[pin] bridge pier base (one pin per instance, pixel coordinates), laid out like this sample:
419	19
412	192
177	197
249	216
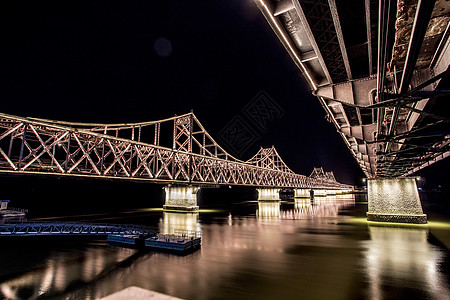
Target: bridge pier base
320	192
302	193
268	194
334	192
183	199
394	200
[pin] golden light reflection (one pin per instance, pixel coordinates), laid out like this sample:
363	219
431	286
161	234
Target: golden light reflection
175	221
269	248
328	206
402	254
62	270
430	224
269	210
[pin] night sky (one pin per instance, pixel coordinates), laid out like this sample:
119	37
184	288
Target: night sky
129	61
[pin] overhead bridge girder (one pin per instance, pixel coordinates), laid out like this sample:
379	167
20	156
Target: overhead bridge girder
345	103
398	52
354	92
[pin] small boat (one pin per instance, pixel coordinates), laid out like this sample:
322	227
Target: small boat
12	212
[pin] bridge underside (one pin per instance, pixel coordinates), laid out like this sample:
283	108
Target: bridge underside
379	69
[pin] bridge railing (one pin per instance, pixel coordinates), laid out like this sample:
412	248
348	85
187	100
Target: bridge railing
32	146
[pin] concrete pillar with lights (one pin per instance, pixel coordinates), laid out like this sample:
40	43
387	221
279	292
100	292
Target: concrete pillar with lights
394	200
268	194
302	193
331	192
181	198
320	192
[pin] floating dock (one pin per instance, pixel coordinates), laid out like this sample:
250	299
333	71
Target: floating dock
173	243
129	240
179	242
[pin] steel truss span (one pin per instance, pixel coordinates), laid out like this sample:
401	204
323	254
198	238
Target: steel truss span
175	150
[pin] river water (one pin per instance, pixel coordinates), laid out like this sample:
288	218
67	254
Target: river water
293	249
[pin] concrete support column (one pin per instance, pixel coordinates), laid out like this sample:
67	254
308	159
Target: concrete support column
331	192
302	193
320	193
394	200
181	198
269	194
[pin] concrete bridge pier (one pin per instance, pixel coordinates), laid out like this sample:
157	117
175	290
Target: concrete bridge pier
181	198
268	194
334	192
302	193
320	192
394	200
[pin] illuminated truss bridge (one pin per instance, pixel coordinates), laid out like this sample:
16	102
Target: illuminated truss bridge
175	150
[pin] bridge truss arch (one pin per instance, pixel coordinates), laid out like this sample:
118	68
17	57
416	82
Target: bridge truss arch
180	151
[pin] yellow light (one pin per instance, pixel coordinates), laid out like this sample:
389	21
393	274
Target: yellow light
430	224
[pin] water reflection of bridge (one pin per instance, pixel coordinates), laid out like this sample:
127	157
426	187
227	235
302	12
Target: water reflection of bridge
319	207
388	254
71	265
383	256
173	221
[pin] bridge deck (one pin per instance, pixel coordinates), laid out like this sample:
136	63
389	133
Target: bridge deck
380	69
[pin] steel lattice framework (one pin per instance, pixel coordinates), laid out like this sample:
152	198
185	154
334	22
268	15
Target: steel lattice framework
37	146
319	16
320	173
380	69
63	228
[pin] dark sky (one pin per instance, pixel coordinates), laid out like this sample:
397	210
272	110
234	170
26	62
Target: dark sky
108	61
